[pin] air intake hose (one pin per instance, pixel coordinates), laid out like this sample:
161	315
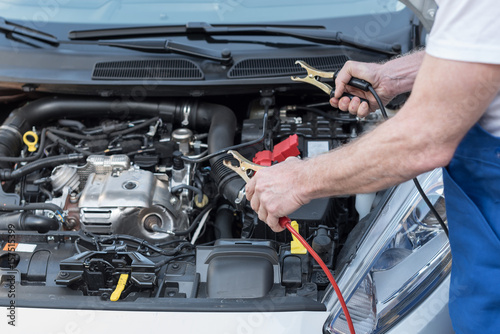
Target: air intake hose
24	221
222	123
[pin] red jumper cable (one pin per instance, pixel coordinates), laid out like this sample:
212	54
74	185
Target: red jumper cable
246	170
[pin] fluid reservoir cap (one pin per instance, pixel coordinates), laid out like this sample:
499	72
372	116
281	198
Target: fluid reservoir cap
201	203
30	138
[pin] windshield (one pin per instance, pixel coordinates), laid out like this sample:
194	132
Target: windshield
175	12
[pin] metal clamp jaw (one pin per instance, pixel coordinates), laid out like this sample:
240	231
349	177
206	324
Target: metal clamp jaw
313	76
246	168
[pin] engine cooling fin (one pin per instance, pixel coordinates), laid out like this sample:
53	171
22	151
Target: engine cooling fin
266	67
159	69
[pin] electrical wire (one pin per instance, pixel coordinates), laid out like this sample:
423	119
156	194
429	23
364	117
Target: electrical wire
285	222
200	227
135	127
145	243
164	262
62	142
415	180
195	221
235	147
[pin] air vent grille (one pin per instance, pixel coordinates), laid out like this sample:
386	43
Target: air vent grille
160	69
265	67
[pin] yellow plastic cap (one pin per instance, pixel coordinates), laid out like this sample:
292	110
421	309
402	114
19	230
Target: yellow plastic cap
295	246
30	138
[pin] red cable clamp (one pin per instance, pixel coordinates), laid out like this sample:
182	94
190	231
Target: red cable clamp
287	148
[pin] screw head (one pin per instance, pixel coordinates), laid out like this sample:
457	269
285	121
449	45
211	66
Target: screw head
129	185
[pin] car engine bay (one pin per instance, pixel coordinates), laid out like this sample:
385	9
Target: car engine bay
96	190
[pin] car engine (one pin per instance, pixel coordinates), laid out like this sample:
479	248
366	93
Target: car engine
98	188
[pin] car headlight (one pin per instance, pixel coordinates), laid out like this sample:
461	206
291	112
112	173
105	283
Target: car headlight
400	259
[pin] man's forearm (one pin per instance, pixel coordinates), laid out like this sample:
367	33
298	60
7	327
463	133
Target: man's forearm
401	72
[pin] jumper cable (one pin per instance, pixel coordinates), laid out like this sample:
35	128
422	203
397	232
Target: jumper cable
246	170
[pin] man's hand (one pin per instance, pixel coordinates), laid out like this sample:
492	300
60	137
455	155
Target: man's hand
370	72
277	191
389	80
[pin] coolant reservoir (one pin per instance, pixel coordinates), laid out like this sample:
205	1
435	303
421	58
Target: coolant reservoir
364	204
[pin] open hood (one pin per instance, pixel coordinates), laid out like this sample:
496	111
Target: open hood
424	9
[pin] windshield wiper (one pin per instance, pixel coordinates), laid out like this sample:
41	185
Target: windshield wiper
10	28
314	34
224	56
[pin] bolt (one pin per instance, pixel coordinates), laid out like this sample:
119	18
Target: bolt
71	222
175	266
171	293
225	53
63	274
50	238
147	277
73	198
173	200
129	185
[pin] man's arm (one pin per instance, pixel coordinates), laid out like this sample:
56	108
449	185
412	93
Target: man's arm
389	80
447	99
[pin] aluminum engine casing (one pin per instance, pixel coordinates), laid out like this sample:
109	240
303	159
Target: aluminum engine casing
118	198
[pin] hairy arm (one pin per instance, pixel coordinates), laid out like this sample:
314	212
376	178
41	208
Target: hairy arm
448	98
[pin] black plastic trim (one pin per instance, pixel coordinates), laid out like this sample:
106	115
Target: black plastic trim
277	304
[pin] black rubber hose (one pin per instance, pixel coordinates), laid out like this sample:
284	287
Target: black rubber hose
8	174
24	221
224	222
185	186
32	206
11	143
54	107
222	123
